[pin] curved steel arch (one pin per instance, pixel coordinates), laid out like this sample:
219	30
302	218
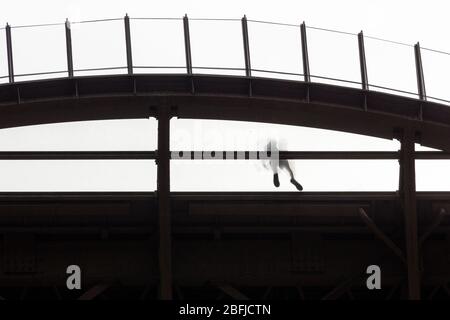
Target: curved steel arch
315	105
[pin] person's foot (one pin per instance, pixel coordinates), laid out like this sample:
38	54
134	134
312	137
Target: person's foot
297	185
276	181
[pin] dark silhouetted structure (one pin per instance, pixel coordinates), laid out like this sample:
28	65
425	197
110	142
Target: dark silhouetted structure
177	245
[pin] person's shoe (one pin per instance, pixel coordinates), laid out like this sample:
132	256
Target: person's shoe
276	181
297	185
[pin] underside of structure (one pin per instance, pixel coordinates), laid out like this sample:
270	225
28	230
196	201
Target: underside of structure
224	245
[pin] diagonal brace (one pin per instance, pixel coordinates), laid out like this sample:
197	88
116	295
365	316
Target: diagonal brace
381	235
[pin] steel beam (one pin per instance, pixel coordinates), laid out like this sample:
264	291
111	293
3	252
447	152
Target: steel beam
9	53
430	229
381	235
128	44
76	155
163	184
393	290
342	288
232	292
419	73
96	97
69	49
362	62
187	45
218	155
305	58
269	290
293	155
94	292
248	67
408	197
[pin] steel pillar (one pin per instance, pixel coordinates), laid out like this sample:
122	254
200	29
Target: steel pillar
163	184
408	197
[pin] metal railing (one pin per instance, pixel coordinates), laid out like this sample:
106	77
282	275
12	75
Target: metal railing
307	66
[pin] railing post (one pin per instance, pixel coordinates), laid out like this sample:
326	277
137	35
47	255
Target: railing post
69	49
248	68
163	192
362	62
128	44
9	53
187	45
305	59
419	72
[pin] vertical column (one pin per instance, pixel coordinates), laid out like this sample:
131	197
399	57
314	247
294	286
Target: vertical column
187	45
305	58
128	44
163	177
362	62
69	49
248	67
408	194
9	53
419	73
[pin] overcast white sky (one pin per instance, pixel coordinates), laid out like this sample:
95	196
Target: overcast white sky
390	65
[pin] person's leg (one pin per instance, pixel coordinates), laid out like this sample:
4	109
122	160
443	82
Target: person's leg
284	164
297	184
274	166
274	162
276	180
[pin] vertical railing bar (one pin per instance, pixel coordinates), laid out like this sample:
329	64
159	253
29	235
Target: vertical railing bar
187	45
305	58
128	44
362	62
9	53
69	49
248	68
419	72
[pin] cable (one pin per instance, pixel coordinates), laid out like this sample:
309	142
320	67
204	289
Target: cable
331	30
37	25
275	23
100	20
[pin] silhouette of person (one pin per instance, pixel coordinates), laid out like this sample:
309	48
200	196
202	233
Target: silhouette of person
276	163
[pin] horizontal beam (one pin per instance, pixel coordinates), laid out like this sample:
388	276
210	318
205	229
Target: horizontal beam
76	155
293	155
313	155
432	155
217	155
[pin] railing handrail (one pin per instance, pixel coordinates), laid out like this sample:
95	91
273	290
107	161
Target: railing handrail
365	83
